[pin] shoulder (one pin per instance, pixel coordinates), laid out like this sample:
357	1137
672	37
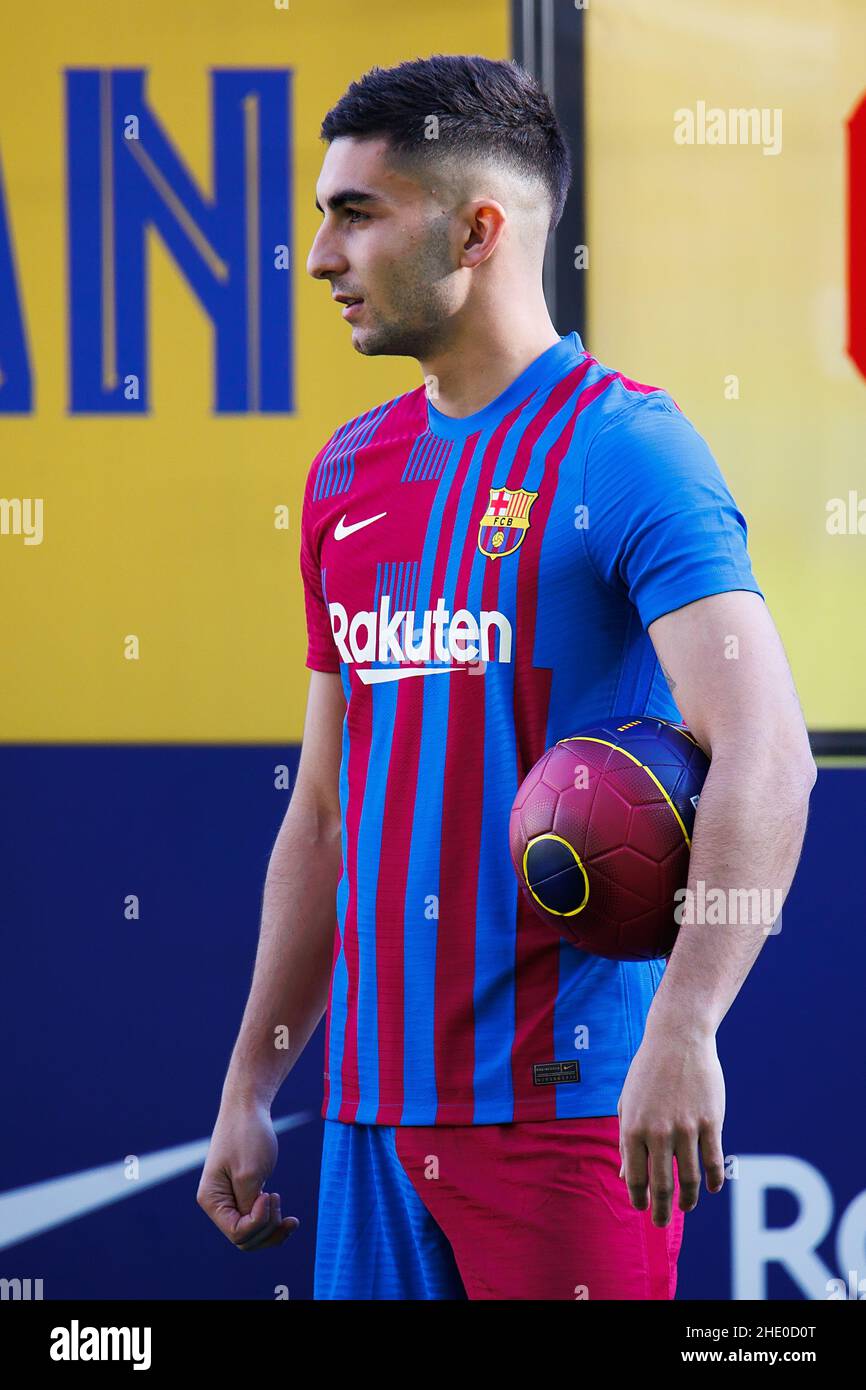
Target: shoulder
623	406
619	417
641	433
402	416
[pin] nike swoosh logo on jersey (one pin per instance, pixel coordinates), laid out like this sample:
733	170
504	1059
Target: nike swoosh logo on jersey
41	1206
376	675
341	530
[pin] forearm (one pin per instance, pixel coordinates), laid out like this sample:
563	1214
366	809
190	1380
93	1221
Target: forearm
289	989
748	833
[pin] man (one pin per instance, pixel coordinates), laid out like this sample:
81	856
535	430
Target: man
492	563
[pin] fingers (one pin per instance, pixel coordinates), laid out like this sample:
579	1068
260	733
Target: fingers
280	1233
264	1226
647	1166
633	1152
648	1169
688	1171
261	1226
257	1225
713	1157
661	1181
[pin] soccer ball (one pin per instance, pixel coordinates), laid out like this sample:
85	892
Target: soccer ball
600	834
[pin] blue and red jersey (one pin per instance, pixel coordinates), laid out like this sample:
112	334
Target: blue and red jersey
484	586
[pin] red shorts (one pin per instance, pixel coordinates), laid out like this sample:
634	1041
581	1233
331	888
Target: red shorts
533	1210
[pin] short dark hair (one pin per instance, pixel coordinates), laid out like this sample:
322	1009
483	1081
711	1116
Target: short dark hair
483	106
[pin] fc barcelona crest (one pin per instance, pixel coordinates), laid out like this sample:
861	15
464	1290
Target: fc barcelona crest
506	521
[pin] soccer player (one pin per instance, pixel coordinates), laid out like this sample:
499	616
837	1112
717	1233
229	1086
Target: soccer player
524	545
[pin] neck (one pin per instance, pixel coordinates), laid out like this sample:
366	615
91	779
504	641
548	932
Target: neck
485	357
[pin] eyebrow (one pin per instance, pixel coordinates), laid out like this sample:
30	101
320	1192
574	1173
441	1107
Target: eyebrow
348	195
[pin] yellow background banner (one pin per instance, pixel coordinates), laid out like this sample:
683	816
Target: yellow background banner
709	265
162	526
708	262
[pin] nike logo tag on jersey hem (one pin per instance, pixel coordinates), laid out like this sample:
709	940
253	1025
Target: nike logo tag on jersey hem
341	530
555	1073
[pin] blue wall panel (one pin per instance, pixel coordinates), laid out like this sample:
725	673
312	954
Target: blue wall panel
116	1033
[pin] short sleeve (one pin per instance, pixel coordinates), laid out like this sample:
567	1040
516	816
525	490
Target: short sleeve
660	519
322	653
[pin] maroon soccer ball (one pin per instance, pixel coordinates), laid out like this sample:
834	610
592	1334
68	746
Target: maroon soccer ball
600	834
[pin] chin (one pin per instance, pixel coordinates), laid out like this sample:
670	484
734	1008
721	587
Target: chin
382	344
369	344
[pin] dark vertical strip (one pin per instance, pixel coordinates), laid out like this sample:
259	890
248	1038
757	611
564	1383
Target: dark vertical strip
547	38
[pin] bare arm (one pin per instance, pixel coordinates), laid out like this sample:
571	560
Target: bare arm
289	989
725	663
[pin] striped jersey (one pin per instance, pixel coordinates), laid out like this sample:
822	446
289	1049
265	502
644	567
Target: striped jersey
483	586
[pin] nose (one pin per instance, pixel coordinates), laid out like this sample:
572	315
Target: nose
325	259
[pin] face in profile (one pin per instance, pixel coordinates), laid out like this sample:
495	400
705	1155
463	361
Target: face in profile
387	241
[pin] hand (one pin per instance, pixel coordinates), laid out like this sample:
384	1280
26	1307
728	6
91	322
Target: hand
243	1151
672	1105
